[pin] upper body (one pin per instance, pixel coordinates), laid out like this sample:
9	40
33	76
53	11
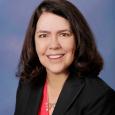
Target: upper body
79	96
59	49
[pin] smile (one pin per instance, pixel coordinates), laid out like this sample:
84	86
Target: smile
55	56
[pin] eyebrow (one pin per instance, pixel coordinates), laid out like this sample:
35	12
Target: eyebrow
45	31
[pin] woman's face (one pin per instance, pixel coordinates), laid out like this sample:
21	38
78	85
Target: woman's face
54	42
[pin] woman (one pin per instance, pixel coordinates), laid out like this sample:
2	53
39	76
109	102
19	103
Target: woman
60	64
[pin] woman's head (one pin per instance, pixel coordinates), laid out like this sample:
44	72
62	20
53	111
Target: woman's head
87	59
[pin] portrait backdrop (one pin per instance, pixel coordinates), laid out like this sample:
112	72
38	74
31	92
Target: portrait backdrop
14	18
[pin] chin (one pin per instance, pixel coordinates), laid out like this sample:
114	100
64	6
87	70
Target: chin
57	71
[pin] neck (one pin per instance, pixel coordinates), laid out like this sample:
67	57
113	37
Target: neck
56	81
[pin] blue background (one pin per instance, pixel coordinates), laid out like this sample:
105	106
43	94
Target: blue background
14	18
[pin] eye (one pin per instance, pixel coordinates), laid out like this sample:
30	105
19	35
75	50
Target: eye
42	35
65	34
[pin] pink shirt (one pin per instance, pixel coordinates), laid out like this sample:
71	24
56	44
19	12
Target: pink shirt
44	104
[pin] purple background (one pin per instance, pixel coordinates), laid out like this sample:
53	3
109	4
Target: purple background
14	17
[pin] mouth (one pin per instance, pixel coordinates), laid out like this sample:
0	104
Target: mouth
55	56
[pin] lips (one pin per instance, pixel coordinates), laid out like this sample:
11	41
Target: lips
55	56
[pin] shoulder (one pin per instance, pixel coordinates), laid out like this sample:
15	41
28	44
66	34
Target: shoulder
98	95
96	84
26	88
27	97
95	87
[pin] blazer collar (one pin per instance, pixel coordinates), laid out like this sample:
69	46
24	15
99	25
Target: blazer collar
69	93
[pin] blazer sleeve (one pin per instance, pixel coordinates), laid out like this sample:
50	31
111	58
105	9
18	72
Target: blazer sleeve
105	105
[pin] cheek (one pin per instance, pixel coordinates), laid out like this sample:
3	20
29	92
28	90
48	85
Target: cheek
71	51
40	49
70	47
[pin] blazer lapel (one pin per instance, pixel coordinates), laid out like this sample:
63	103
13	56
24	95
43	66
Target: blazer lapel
34	101
69	93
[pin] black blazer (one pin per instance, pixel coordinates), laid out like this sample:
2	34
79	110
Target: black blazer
79	96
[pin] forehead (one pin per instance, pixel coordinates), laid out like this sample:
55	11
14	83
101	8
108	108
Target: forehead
50	21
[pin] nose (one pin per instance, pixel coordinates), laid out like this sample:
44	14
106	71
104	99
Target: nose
54	43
